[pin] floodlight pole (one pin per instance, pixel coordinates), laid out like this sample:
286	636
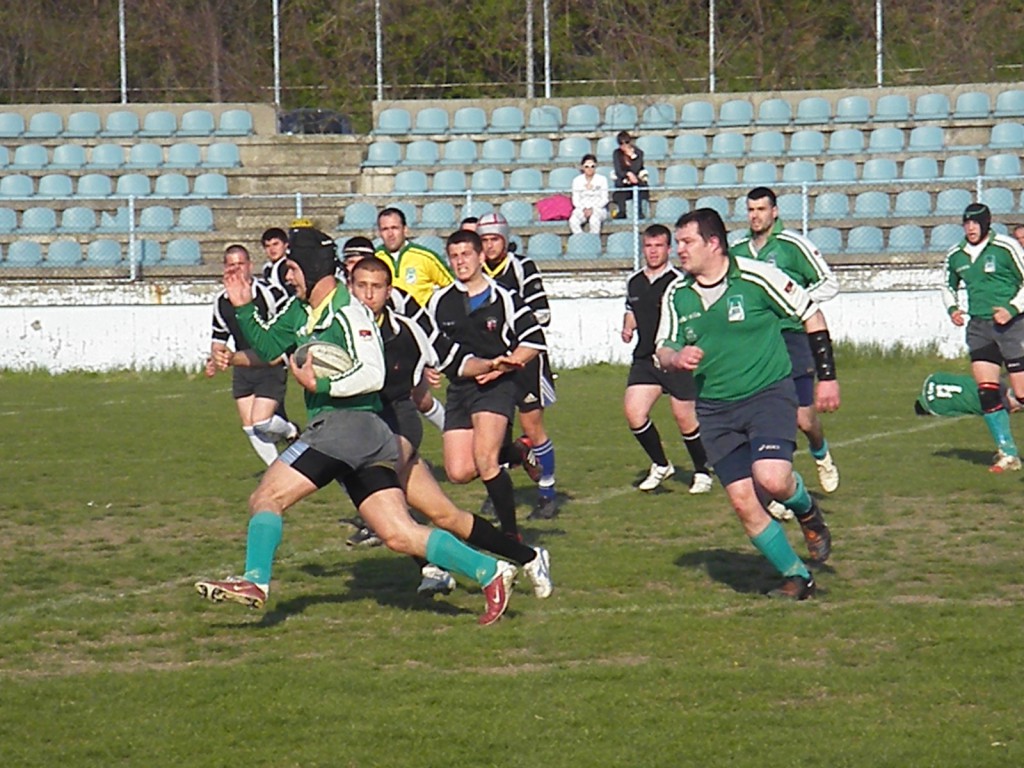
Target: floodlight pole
878	43
277	55
547	49
379	48
529	49
121	35
711	46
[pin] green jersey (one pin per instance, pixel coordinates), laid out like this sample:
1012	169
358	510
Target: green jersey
992	272
340	320
736	322
798	257
953	394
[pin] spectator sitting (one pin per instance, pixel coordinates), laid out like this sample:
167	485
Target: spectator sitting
589	198
628	161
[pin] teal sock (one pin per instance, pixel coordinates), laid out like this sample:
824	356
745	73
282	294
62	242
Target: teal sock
800	501
448	552
773	544
264	536
820	453
998	423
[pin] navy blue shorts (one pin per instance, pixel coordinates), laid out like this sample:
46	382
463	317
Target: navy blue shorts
678	384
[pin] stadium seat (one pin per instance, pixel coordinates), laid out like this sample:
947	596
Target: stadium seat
537	151
110	157
887	139
77	220
762	172
430	120
234	122
680	176
55	185
667	210
383	153
183	155
487	181
654	147
582	118
920	169
697	114
449	181
197	122
438	214
942	237
222	154
156	218
472	208
865	239
799	171
120	124
774	112
29	157
560	179
583	245
544	246
846	141
508	119
44	125
146	253
526	180
103	253
852	109
12	125
359	215
133	184
1009	103
68	157
209	185
807	142
688	146
715	202
999	200
518	213
791	206
24	253
879	169
422	152
195	218
623	245
735	112
812	110
1002	165
926	138
408	208
972	105
498	152
82	125
159	124
658	117
739	209
913	203
893	107
469	120
171	185
38	221
16	185
1007	136
5	157
64	253
8	220
93	185
831	205
839	171
546	118
183	252
720	174
117	220
931	106
394	121
571	149
906	238
871	205
728	144
960	167
606	146
952	202
767	144
619	117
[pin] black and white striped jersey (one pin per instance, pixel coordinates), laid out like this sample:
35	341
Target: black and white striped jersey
520	274
269	300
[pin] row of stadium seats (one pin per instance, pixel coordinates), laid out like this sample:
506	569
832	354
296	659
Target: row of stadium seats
157	123
65	253
701	114
657	147
144	155
83	220
92	185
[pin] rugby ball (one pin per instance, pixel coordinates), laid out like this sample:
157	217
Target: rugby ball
329	360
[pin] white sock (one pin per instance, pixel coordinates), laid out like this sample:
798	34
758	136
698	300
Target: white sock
266	451
275	428
435	415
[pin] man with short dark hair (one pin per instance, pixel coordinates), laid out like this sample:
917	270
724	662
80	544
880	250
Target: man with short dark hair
416	269
275	245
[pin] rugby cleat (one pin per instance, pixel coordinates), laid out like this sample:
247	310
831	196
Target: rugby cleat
538	571
794	588
828	473
701	483
656	476
234	590
1004	462
436	581
497	593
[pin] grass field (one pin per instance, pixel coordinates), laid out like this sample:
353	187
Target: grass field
656	649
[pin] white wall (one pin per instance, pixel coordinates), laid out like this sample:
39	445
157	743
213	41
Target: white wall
89	327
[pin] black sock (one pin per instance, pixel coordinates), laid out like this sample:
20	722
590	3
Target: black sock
650	441
503	495
696	449
486	537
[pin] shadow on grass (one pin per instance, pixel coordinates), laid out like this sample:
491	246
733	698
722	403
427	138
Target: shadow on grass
968	455
747	573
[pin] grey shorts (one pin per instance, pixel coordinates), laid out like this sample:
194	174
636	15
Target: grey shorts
356	438
261	382
1008	339
678	384
768	415
403	419
467	397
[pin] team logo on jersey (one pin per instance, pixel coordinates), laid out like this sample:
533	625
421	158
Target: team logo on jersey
690	335
491	323
790	287
410	275
365	334
736	311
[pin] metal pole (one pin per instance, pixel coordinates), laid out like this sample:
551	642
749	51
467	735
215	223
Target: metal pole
878	43
277	54
547	49
711	46
529	49
379	48
121	36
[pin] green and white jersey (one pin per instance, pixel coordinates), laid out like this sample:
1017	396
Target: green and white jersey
992	272
798	257
954	394
736	322
340	320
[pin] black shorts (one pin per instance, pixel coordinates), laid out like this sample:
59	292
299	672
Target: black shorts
467	397
261	382
535	384
802	360
678	384
404	420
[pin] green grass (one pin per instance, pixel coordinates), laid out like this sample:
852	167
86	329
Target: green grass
655	650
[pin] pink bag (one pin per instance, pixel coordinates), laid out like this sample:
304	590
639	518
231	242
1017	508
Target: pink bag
554	208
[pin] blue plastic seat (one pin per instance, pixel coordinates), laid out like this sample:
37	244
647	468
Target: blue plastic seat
680	176
487	180
623	245
16	185
828	239
526	180
430	120
24	253
44	125
77	220
931	106
8	220
893	107
960	167
222	154
667	210
728	144
438	214
606	146
852	109
879	169
906	238
472	208
544	246
812	110
408	208
913	203
120	124
972	105
619	117
183	155
582	118
571	149
449	181
865	239
583	245
38	221
518	213
697	114
887	139
234	122
926	138
103	253
561	178
135	184
469	120
383	153
807	142
394	121
799	171
654	146
720	174
735	112
761	172
94	185
1009	103
774	112
715	202
1002	165
688	146
68	157
64	253
871	205
920	169
942	237
146	253
12	125
952	202
846	141
422	152
209	185
111	156
116	221
831	205
1007	136
159	124
546	118
171	185
999	200
459	152
5	157
359	215
839	171
83	125
29	157
658	117
56	185
195	218
197	122
183	251
537	151
498	152
156	218
767	144
791	206
508	119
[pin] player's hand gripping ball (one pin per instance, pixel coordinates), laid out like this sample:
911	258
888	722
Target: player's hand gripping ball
329	360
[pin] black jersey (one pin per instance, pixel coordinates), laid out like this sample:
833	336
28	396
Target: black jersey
643	299
269	301
520	274
407	351
273	274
